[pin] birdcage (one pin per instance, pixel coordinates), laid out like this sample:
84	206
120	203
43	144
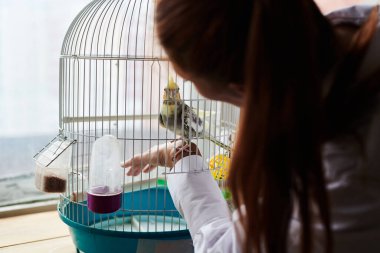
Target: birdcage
113	75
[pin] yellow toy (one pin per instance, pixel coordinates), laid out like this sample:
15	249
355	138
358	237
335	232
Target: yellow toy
219	166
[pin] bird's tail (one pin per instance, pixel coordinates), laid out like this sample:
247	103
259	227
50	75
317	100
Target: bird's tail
217	142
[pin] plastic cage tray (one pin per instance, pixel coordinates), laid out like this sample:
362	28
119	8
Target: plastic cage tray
129	231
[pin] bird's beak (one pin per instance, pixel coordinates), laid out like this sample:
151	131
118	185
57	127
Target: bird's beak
170	94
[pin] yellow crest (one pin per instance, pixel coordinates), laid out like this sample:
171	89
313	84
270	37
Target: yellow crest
171	84
171	92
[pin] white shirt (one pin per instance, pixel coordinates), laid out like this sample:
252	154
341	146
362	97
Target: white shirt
353	185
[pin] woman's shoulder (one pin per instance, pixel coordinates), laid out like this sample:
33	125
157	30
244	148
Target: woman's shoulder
357	15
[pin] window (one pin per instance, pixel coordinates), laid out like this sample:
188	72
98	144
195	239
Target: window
31	35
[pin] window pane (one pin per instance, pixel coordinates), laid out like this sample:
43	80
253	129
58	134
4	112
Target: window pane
31	35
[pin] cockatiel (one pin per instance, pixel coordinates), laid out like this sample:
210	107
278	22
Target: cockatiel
174	111
181	119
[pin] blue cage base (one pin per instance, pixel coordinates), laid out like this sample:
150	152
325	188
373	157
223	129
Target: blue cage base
154	225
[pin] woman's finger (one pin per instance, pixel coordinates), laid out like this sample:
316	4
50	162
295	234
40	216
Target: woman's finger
133	161
148	168
127	163
134	171
129	172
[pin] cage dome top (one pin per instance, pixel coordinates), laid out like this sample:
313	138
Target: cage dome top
114	29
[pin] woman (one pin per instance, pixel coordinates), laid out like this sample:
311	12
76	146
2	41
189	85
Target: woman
305	172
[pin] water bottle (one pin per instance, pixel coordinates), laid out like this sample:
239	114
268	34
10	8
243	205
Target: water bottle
105	176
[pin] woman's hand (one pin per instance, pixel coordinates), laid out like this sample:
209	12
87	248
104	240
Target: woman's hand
160	155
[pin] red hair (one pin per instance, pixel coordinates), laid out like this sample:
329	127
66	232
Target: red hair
282	51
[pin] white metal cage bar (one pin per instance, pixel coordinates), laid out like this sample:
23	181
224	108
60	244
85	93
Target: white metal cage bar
112	77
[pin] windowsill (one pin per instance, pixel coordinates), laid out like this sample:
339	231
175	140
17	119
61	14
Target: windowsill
29	208
40	232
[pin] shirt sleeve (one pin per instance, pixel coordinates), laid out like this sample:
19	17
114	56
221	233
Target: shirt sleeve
198	198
